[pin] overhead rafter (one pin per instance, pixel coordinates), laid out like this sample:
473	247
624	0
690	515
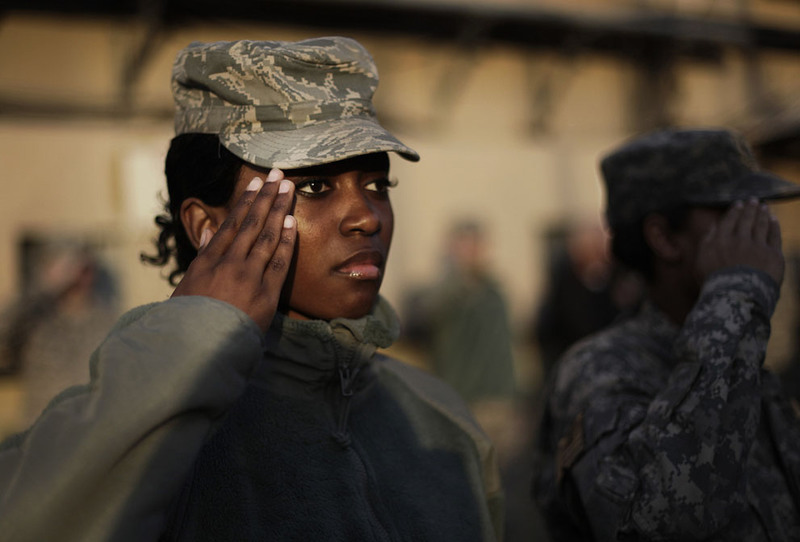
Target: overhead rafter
529	27
638	37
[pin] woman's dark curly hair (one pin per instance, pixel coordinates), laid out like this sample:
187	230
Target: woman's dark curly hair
629	246
197	165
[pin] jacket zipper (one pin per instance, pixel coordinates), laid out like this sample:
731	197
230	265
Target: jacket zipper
346	379
348	372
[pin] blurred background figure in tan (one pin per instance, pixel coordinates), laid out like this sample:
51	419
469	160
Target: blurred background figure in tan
67	304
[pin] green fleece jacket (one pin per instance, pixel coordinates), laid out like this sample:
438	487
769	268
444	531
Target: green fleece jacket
195	426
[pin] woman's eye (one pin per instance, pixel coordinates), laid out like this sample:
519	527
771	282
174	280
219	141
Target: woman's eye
380	185
313	187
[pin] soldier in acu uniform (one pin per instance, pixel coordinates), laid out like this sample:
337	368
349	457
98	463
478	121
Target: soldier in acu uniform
666	426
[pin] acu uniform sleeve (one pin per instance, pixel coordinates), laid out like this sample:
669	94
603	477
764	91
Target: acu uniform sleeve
670	467
104	461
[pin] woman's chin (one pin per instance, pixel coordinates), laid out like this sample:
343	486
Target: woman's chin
351	309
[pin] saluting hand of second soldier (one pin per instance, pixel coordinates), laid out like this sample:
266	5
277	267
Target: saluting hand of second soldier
247	260
747	234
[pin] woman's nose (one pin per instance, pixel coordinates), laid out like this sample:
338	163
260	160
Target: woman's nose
359	215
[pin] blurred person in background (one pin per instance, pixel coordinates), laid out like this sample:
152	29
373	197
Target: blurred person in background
254	404
462	319
461	323
584	292
47	335
666	426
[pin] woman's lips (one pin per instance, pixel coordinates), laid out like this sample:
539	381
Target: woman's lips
363	266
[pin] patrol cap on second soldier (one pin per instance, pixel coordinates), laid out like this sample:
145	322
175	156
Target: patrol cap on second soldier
282	104
669	168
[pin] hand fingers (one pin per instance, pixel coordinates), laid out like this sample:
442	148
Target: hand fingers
278	266
205	237
708	238
744	226
269	198
730	219
230	227
761	224
774	234
274	230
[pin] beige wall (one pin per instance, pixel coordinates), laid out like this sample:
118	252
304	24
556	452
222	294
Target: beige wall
488	147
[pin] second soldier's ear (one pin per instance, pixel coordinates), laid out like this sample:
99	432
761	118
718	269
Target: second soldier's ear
197	216
660	238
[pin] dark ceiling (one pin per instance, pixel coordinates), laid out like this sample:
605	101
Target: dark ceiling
647	38
521	26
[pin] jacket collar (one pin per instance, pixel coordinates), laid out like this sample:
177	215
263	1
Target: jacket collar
657	322
314	351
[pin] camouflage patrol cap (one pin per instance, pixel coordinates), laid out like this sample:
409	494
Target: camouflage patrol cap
282	104
695	167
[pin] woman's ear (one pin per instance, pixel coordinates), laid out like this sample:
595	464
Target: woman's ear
659	237
197	216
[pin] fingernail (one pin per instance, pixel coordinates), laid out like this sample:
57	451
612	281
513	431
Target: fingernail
255	185
288	222
205	237
274	175
284	187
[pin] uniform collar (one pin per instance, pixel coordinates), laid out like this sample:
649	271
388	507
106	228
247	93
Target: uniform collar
314	351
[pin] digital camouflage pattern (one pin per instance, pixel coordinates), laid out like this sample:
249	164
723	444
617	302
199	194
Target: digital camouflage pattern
282	104
676	167
652	432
